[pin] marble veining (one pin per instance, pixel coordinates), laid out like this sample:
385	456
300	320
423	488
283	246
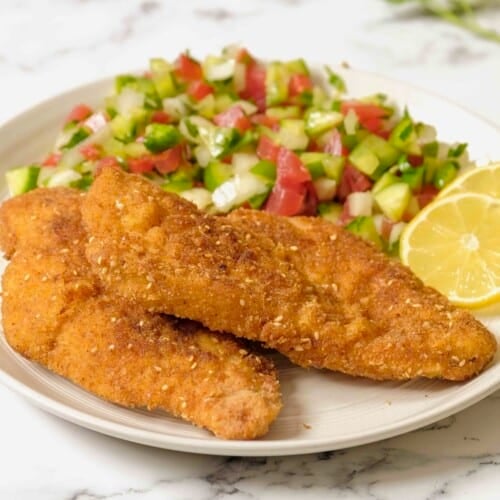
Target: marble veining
47	46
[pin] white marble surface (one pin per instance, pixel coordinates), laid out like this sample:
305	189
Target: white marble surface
47	46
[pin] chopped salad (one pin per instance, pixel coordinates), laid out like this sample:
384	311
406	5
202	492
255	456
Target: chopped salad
232	131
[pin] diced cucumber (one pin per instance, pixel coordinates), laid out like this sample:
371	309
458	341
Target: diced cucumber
176	107
297	66
351	122
430	149
258	200
23	179
414	177
314	163
292	135
360	203
79	135
243	162
215	174
177	186
325	188
445	174
218	69
206	107
129	100
319	121
330	211
159	136
276	84
163	80
238	190
431	165
373	156
334	167
404	137
386	180
122	81
364	227
282	112
393	200
123	128
219	140
134	149
265	169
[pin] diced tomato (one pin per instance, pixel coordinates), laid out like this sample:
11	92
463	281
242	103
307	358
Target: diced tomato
52	160
334	144
266	121
310	205
233	117
314	147
415	160
160	117
79	113
255	85
90	152
168	160
141	165
267	149
106	162
284	200
227	159
243	56
148	75
352	181
291	170
187	69
299	84
369	115
426	195
199	89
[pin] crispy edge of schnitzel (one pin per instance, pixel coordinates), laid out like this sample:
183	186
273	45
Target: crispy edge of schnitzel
55	313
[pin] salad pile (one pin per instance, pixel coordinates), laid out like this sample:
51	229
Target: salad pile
231	131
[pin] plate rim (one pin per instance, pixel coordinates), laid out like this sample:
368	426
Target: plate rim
260	447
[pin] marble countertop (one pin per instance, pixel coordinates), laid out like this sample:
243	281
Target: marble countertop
49	46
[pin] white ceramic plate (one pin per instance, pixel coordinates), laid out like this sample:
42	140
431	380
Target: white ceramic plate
322	411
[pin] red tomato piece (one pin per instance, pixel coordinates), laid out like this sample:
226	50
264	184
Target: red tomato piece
255	85
310	205
291	171
243	56
79	113
233	117
415	160
369	115
352	181
299	84
90	152
199	89
334	144
141	165
168	160
266	121
187	69
426	195
285	200
160	117
267	149
52	160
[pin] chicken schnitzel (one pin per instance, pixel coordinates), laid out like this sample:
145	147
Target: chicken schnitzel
316	293
55	313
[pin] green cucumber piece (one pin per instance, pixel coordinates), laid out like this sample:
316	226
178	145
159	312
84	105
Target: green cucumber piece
373	156
177	186
386	180
216	173
258	200
319	121
404	137
23	179
123	128
162	78
159	136
265	169
276	84
445	174
385	152
134	149
393	200
283	112
292	135
80	135
219	140
334	167
414	177
364	227
314	163
297	66
330	211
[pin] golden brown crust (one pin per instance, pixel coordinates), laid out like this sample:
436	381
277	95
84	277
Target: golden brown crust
314	292
55	313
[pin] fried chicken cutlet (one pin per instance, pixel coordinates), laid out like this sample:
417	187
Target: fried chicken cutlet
55	313
314	292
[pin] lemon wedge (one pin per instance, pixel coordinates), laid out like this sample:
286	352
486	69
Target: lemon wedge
453	245
484	180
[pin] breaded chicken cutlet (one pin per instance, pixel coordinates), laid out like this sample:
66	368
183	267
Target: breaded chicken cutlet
55	313
314	292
